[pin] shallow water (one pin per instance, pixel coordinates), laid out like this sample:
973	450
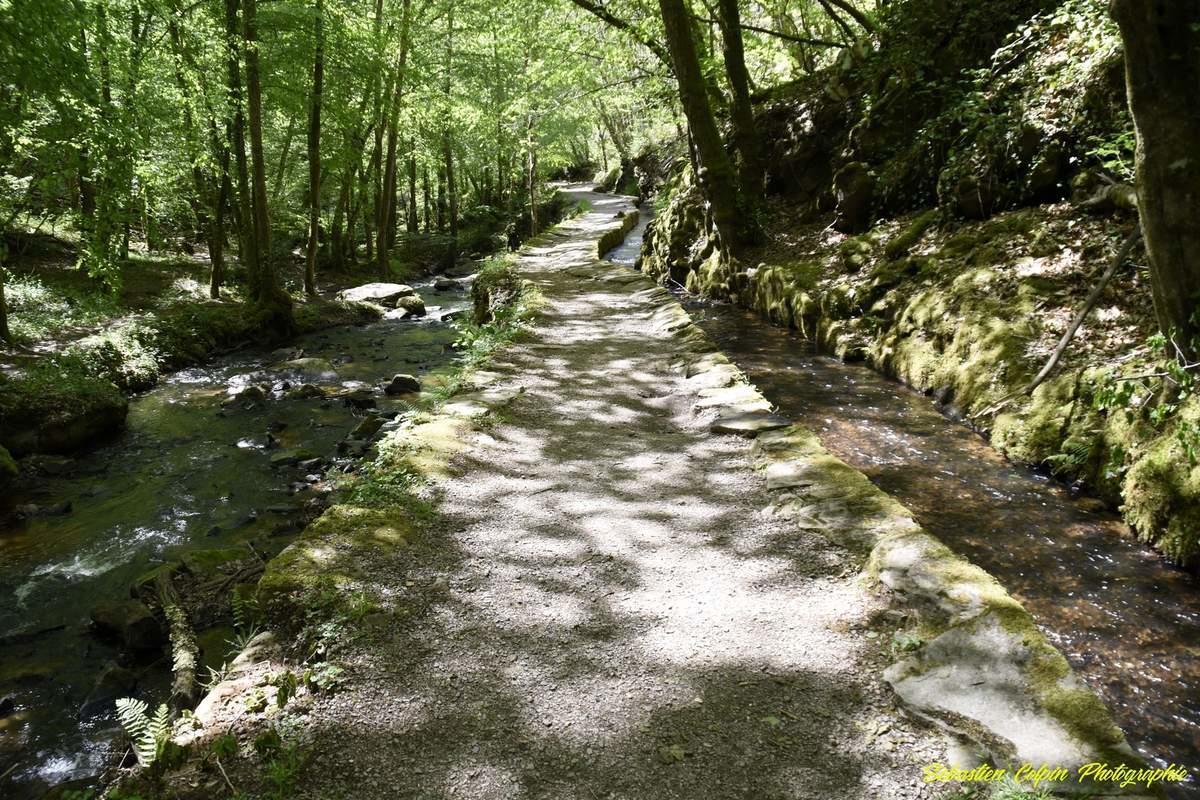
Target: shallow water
186	474
1128	622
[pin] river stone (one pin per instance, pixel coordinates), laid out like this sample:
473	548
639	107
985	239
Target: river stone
308	369
7	707
251	395
402	384
383	294
130	621
287	458
358	398
412	305
306	391
446	284
367	428
115	681
748	424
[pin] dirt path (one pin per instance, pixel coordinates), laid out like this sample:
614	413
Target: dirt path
608	611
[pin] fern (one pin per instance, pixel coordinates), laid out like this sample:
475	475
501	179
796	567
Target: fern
148	734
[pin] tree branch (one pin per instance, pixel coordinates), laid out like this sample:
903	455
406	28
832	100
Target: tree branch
780	35
604	14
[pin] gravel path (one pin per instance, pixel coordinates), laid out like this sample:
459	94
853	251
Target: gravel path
604	609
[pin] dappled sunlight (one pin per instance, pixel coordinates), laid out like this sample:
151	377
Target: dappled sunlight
614	599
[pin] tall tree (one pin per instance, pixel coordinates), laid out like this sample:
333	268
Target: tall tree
274	304
1162	67
314	151
715	172
387	197
745	135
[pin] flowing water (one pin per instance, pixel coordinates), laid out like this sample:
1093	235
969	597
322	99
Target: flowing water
186	474
1128	622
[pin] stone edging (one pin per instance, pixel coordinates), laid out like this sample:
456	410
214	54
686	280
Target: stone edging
983	672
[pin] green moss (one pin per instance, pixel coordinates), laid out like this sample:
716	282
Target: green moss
205	562
904	242
616	235
8	466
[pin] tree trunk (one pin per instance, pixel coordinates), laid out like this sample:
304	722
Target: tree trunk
412	187
750	168
274	305
281	170
247	245
425	194
441	197
4	332
715	175
314	154
1162	70
451	194
387	204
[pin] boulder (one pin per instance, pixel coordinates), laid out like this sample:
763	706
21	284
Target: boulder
358	398
115	681
366	429
382	294
446	284
412	305
306	391
308	369
7	707
854	188
129	621
402	384
287	458
249	396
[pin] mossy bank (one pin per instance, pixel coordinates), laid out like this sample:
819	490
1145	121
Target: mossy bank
968	312
61	402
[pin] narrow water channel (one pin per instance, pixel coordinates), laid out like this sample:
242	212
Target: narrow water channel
1128	622
188	473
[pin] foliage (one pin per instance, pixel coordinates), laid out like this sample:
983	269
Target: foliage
148	734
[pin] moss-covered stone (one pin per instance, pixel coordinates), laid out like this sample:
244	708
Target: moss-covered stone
207	562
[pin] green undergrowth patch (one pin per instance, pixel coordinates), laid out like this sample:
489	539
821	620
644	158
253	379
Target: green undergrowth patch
61	401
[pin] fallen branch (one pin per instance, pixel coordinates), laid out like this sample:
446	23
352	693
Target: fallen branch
1088	304
185	654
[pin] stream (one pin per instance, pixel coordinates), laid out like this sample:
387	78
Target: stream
190	472
1128	621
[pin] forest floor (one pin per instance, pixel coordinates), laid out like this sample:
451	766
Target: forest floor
607	608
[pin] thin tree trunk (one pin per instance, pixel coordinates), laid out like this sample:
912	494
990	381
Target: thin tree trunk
314	154
441	197
412	188
387	205
247	244
273	302
1162	69
425	193
750	173
281	170
4	332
